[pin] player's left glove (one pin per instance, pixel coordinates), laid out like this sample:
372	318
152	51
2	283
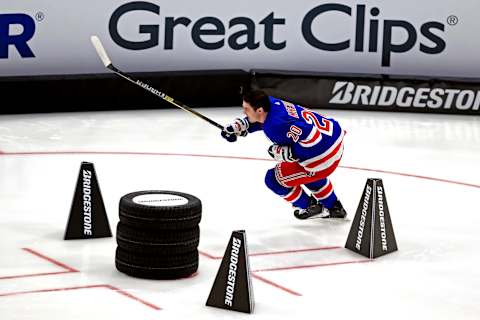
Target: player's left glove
230	137
281	153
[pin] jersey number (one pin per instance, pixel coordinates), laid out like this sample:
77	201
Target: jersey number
294	133
326	127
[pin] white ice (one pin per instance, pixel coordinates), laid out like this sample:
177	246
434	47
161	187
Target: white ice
428	164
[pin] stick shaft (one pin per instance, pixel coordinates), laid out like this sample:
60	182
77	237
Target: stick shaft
163	96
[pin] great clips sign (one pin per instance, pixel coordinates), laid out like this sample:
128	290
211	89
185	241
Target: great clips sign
409	37
369	32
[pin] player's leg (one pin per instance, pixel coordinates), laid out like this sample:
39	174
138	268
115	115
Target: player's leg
291	174
294	194
286	180
322	190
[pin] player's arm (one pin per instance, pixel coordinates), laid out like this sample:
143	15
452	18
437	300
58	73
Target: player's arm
282	150
293	136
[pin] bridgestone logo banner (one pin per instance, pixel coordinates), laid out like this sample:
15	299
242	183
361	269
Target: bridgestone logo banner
375	94
408	96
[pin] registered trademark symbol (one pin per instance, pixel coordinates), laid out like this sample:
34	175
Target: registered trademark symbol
39	16
452	20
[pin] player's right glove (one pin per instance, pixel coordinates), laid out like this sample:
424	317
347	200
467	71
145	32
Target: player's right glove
237	128
281	153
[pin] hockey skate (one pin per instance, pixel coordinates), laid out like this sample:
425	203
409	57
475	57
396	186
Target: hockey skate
314	209
337	211
317	210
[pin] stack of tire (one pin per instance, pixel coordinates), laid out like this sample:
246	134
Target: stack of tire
158	234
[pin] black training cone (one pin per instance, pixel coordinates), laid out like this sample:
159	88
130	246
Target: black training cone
232	289
88	218
371	233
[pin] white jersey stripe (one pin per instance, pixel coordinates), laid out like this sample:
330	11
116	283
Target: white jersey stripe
326	153
325	165
313	138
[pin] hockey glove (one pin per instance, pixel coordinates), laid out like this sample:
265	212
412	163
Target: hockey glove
230	137
281	153
238	127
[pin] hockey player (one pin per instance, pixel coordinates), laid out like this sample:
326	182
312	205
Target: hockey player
307	145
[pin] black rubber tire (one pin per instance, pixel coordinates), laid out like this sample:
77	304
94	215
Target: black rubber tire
156	267
157	242
160	217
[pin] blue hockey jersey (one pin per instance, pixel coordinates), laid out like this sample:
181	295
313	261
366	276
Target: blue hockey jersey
316	141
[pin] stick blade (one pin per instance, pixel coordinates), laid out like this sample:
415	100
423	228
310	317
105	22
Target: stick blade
100	50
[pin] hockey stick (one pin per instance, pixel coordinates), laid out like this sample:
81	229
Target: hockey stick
108	63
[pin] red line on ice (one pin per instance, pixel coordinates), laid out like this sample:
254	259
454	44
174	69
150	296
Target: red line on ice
60	264
312	265
256	276
107	286
39	153
67	269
